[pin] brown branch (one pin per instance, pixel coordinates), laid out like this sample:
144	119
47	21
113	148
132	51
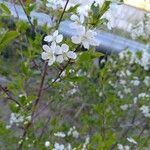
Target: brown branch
45	126
59	75
61	17
35	105
124	134
139	136
28	17
9	95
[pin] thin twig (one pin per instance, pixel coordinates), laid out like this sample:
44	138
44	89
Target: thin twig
28	17
35	105
124	134
9	96
140	134
58	76
45	126
62	14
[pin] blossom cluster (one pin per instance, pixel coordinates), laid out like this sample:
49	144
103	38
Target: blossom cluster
145	110
141	29
84	6
17	119
71	132
54	52
143	61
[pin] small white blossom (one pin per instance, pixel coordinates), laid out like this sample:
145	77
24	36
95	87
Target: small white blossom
60	134
135	82
47	144
77	21
121	147
85	37
124	107
28	118
131	140
8	126
75	134
83	10
16	118
147	80
55	37
63	53
145	110
48	54
87	140
54	4
58	146
72	131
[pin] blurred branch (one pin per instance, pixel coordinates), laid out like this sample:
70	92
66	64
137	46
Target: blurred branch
9	95
28	17
62	14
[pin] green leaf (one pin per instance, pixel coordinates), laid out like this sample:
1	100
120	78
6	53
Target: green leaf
73	8
104	8
76	79
95	10
7	38
5	9
25	69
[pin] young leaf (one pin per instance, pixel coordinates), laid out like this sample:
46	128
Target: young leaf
5	9
8	37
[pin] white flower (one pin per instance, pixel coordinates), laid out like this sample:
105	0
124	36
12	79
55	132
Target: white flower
83	10
60	134
110	15
78	21
47	144
124	107
72	131
143	95
121	147
55	37
135	82
145	60
87	140
58	146
85	37
29	118
75	134
147	80
16	118
54	4
48	54
63	53
131	140
145	110
8	126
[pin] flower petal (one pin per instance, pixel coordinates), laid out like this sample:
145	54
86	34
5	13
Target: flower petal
65	48
55	33
58	50
74	18
44	56
48	38
59	59
71	55
59	38
76	39
94	42
82	19
86	44
51	60
46	48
